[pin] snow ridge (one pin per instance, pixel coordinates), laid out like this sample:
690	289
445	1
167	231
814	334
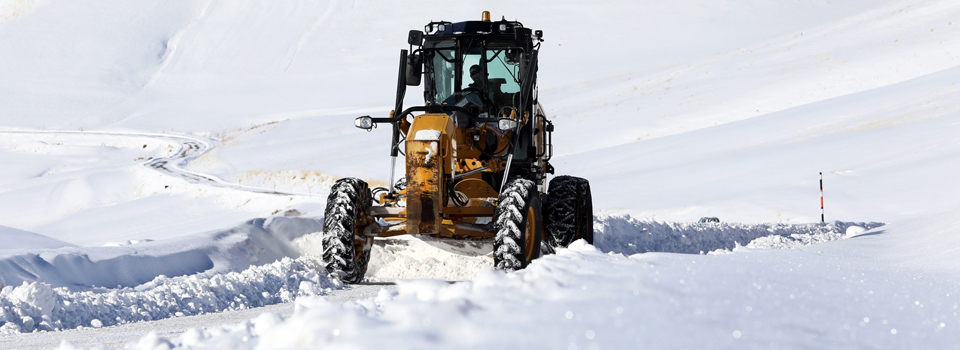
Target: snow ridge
623	234
37	306
404	258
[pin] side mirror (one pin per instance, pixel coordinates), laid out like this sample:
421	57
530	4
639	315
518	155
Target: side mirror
414	69
512	56
415	38
364	122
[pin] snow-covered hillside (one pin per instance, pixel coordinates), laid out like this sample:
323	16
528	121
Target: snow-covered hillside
166	159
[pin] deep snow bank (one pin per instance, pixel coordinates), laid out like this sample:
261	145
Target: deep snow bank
405	258
582	298
623	234
37	306
221	272
254	264
128	264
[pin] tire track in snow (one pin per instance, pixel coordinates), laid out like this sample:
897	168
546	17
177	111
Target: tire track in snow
175	165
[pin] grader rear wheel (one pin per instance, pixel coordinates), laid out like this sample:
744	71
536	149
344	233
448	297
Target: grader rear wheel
569	211
518	222
345	251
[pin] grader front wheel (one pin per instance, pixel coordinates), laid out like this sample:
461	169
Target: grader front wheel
518	222
345	251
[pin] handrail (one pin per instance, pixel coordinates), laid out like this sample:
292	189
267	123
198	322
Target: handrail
433	108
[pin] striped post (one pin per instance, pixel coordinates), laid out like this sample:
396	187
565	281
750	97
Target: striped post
822	221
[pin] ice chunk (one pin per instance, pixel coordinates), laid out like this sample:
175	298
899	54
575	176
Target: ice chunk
854	230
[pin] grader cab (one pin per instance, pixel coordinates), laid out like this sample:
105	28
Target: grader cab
477	155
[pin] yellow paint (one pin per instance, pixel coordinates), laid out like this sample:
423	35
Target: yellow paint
426	165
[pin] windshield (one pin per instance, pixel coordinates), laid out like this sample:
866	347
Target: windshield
503	73
443	74
452	76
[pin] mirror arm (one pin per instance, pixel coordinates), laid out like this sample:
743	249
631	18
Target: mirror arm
401	91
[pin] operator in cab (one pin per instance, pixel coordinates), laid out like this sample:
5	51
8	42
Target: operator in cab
476	74
473	97
477	94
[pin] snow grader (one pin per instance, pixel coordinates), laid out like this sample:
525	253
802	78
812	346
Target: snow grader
477	155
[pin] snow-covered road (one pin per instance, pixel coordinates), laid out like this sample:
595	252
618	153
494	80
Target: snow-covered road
181	150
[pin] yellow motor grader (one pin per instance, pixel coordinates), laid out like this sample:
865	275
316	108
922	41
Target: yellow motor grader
477	155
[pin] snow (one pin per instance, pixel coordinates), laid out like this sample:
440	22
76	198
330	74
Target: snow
20	239
427	135
173	158
409	258
592	299
37	306
222	273
129	264
246	266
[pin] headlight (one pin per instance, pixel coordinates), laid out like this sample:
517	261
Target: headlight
508	124
364	122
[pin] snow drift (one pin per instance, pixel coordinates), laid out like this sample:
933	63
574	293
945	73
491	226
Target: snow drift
149	290
129	264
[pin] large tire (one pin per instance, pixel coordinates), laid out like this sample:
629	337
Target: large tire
345	251
518	222
569	211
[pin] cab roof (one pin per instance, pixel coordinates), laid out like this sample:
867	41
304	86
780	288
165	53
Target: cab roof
498	30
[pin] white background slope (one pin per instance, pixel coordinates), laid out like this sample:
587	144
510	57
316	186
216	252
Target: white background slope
673	111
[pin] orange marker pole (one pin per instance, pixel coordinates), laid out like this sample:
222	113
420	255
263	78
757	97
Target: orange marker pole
822	221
